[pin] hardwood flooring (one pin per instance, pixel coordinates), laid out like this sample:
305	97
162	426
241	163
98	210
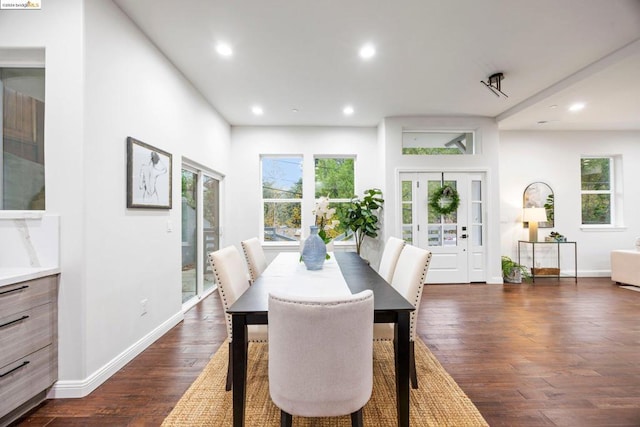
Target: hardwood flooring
550	354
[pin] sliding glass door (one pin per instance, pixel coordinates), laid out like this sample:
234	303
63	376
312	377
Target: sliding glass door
200	229
189	234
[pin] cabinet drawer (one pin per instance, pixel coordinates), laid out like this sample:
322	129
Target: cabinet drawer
25	332
26	377
22	296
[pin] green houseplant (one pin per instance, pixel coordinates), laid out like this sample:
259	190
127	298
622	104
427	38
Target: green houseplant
512	272
361	216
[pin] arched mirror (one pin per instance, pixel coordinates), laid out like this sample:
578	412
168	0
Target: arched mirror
539	195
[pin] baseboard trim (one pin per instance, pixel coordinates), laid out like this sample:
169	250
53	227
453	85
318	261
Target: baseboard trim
63	389
594	273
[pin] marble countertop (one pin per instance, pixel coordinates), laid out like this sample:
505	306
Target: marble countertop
11	275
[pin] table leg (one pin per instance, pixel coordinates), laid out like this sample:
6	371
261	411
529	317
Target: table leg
239	346
403	361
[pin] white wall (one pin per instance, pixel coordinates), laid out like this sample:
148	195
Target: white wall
131	89
105	81
486	161
243	206
58	28
554	158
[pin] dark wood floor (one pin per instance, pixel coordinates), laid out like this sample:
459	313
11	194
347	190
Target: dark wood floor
550	354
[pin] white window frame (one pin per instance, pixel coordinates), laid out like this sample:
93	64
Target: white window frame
292	200
615	194
350	241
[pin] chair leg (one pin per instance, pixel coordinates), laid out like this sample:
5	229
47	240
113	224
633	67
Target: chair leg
412	366
229	368
285	419
356	418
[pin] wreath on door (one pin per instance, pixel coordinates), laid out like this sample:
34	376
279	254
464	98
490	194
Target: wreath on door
444	201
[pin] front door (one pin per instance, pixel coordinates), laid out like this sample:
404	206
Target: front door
456	239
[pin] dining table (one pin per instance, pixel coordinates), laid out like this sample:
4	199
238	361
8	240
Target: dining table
343	272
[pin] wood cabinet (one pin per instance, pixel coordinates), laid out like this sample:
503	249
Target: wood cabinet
28	339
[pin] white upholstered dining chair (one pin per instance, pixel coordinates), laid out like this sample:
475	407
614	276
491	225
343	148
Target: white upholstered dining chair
390	255
254	254
231	277
408	279
321	355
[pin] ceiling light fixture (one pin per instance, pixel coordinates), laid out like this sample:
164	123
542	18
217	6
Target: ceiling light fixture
348	110
493	84
367	51
257	110
577	106
224	49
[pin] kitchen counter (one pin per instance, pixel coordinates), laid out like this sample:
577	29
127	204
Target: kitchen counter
10	275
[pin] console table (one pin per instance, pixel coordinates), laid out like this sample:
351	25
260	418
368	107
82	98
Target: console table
558	246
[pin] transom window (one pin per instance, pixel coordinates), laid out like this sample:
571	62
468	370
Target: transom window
432	143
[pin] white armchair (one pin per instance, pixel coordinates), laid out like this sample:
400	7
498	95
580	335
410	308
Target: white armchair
390	255
231	277
254	254
321	355
408	280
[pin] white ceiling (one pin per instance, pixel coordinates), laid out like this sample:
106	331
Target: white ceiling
431	56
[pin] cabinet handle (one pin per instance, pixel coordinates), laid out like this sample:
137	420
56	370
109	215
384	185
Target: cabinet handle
15	290
25	363
14	321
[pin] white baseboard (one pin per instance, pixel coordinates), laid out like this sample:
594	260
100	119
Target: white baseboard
81	388
594	273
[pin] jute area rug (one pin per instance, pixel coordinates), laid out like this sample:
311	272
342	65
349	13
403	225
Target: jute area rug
438	402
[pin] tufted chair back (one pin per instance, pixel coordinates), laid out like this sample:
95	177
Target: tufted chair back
409	277
390	255
254	254
321	355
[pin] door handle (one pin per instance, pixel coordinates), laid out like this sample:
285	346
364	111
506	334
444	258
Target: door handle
464	236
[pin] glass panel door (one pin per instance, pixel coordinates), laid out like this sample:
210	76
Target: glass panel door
211	225
189	234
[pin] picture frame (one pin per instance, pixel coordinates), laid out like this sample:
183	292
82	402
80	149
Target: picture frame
149	176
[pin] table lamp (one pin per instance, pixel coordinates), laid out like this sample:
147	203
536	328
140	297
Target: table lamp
533	216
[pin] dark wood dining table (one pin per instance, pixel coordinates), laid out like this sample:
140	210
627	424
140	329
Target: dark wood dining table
389	307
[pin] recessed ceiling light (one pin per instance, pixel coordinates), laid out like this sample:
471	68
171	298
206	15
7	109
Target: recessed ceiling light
257	110
367	51
348	110
577	106
294	110
224	49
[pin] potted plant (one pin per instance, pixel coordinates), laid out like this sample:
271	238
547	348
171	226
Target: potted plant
512	272
361	216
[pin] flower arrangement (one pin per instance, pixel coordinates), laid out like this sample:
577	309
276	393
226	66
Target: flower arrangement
324	219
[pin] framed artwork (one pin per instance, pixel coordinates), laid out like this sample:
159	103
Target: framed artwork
539	195
148	176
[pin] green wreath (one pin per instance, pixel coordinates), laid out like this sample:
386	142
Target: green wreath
444	200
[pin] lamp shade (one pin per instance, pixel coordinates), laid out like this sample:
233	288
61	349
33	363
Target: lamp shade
534	214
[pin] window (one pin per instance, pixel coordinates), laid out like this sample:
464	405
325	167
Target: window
597	190
200	229
282	198
334	178
431	143
22	139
